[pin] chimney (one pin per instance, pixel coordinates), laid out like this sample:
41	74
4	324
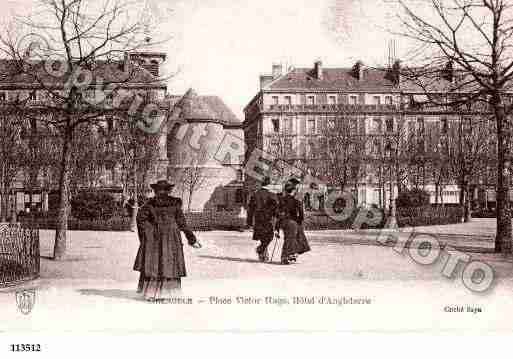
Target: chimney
126	63
448	72
358	70
277	70
265	80
396	72
318	69
150	61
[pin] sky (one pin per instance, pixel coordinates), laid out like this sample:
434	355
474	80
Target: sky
220	47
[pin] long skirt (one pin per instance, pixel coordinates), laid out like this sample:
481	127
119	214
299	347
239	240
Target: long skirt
294	241
159	290
302	243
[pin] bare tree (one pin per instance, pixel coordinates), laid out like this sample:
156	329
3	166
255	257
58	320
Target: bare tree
467	147
283	153
344	153
474	39
11	156
137	154
193	176
75	38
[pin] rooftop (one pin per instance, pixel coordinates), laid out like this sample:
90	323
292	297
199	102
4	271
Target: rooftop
204	108
35	73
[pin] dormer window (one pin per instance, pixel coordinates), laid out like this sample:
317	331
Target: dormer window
32	96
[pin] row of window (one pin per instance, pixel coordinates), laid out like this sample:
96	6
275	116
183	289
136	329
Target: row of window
315	125
44	95
333	99
32	96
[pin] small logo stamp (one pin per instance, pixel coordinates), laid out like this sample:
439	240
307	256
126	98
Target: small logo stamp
25	300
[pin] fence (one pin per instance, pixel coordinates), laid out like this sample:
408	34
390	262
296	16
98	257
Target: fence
19	254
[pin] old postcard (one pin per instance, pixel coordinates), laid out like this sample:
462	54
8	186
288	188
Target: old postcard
172	166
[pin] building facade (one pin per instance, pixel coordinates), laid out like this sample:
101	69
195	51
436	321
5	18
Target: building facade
30	93
176	144
373	119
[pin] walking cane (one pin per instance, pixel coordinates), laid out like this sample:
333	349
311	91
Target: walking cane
276	237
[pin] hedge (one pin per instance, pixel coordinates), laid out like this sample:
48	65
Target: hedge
117	224
429	215
320	221
201	221
415	197
230	220
92	206
406	217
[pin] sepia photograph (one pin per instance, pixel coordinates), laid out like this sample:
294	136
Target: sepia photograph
222	166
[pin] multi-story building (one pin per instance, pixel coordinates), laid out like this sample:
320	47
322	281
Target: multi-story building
139	74
39	86
297	109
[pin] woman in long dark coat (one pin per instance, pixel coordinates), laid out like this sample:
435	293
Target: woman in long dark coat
291	221
160	258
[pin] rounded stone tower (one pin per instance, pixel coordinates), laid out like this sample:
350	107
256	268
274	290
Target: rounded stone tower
192	142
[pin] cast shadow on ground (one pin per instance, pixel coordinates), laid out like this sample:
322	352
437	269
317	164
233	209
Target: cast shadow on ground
69	258
113	293
243	260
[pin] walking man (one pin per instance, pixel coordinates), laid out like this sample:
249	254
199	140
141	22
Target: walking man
262	215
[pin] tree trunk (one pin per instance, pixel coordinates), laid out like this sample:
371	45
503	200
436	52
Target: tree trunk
135	206
392	220
467	212
34	166
189	200
5	195
59	250
462	200
4	207
503	235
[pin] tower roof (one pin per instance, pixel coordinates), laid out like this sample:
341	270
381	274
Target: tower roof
203	108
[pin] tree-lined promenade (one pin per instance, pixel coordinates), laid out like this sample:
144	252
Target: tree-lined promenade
60	130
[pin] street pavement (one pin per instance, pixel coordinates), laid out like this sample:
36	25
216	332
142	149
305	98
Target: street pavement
94	288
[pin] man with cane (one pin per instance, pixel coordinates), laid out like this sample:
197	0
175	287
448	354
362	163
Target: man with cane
262	216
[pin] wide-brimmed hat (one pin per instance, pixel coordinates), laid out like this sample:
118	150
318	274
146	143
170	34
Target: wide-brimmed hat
162	184
289	186
266	181
294	181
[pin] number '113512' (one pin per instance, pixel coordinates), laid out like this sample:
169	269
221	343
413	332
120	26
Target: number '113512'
25	347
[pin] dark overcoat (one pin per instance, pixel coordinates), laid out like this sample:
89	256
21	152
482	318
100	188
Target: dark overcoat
262	214
159	222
